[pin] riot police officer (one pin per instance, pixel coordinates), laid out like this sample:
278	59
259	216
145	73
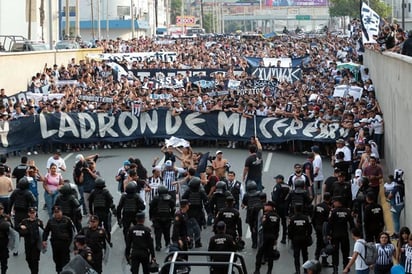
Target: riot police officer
339	218
29	228
221	241
218	199
140	241
269	228
5	224
373	219
320	216
251	200
279	197
161	211
129	205
70	205
21	199
60	228
82	249
299	232
300	196
231	217
96	238
180	237
197	198
100	204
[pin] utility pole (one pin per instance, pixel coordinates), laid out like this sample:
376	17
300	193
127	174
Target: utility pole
99	34
91	6
77	19
50	25
132	17
29	19
107	19
67	19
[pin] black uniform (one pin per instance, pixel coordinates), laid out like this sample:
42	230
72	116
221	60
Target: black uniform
253	203
197	198
299	232
339	219
32	242
61	236
373	222
320	216
129	205
343	190
161	212
279	197
5	224
221	242
233	221
235	189
21	199
70	205
179	231
140	241
218	201
300	196
96	240
100	204
270	231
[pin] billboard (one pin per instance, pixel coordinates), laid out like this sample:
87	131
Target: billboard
283	3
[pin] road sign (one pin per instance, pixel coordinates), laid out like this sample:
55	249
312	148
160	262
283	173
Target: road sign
183	21
302	17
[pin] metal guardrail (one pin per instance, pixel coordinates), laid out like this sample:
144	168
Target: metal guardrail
236	261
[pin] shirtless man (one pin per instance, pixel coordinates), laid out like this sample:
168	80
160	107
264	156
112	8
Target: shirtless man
6	187
219	165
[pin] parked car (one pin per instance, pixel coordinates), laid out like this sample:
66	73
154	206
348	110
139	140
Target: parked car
28	45
67	44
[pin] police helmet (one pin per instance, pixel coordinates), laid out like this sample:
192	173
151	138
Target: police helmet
131	187
65	189
162	190
221	187
313	265
299	184
240	244
251	186
23	183
100	182
194	183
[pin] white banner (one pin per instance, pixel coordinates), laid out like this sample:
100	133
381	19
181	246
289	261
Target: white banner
370	24
135	56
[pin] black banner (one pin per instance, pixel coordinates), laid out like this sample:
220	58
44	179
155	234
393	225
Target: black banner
93	127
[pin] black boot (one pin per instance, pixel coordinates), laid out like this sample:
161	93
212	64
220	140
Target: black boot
325	262
297	268
335	269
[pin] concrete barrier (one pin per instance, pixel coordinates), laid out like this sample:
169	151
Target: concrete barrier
17	68
392	77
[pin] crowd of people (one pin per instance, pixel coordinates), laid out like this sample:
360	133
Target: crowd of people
213	195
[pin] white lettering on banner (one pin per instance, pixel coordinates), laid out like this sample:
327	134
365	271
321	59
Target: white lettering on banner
122	123
225	123
279	124
170	128
4	130
43	127
309	129
87	125
151	122
106	127
281	74
71	126
135	56
262	127
292	128
191	122
243	125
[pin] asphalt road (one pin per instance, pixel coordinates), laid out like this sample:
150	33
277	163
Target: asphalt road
112	159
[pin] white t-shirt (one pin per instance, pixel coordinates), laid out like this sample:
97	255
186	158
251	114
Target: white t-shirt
377	124
347	153
360	249
317	163
60	163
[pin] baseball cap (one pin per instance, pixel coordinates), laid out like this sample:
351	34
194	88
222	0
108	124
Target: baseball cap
58	152
32	209
220	225
94	218
79	157
140	215
126	163
184	202
56	208
340	141
358	173
218	152
169	163
279	177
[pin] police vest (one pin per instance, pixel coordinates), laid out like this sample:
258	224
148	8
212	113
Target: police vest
99	199
194	198
66	205
220	201
21	200
163	207
254	201
130	204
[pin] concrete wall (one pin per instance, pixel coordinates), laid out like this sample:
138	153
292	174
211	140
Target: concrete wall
16	69
392	77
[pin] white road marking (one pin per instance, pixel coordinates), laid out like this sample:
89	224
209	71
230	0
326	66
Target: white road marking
68	156
267	163
248	233
114	228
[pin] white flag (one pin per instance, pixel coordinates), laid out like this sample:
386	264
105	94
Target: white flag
370	24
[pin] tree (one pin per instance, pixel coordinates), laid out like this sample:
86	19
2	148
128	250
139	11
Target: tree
175	9
351	8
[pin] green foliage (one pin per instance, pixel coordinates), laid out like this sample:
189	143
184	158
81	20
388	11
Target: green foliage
351	8
175	10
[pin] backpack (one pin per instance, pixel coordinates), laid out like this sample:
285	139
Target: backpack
371	253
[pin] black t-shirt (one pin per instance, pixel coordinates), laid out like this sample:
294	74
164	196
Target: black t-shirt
170	156
329	183
255	164
19	171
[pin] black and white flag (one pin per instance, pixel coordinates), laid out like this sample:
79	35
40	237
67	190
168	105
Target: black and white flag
370	24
